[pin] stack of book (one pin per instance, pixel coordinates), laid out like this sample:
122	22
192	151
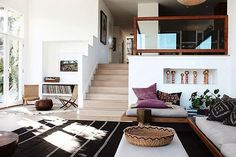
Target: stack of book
57	89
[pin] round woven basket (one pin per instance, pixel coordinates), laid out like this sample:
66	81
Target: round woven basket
149	136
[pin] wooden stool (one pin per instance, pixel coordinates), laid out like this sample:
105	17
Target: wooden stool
144	116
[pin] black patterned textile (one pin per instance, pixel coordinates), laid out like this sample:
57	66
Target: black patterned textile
221	109
72	138
231	120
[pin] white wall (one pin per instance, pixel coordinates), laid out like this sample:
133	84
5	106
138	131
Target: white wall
144	71
232	46
57	21
117	54
110	23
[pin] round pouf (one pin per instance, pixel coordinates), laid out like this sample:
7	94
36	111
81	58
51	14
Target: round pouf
8	143
44	105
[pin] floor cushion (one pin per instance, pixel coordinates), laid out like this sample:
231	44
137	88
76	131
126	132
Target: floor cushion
44	104
218	133
176	111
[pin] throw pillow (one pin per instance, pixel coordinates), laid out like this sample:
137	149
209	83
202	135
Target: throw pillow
174	98
231	120
231	101
151	103
146	93
220	110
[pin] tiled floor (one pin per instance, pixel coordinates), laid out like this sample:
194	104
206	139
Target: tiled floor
12	118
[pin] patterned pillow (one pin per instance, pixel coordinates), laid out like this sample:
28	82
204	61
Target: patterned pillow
146	93
220	110
231	120
174	98
231	101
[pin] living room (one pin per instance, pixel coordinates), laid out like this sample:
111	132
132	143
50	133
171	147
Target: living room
71	59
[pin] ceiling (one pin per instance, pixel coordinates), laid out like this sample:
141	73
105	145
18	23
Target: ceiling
124	10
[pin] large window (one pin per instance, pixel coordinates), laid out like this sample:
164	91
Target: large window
11	46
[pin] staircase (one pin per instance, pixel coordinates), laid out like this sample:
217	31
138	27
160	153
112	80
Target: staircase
108	94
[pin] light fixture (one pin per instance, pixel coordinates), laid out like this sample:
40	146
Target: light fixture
191	2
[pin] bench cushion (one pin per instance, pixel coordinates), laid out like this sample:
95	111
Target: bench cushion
228	150
218	133
176	111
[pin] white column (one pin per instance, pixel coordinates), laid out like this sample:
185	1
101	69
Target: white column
149	28
231	43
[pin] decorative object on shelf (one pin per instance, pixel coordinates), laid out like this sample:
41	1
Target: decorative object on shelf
69	65
149	136
206	76
103	28
191	2
204	100
173	77
51	79
194	77
186	76
182	78
168	76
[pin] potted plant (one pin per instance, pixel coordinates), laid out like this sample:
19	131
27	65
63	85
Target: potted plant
205	100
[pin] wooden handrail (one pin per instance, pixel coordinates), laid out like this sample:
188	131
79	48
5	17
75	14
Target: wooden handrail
160	18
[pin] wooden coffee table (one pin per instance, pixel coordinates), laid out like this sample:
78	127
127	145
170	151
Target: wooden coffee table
174	149
8	143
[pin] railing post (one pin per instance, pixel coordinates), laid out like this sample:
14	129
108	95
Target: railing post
226	35
135	36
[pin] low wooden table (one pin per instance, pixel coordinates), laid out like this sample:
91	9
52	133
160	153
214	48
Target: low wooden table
174	149
8	143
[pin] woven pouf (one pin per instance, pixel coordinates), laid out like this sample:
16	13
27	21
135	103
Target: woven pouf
44	105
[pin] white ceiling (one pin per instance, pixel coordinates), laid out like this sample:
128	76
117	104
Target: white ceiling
124	10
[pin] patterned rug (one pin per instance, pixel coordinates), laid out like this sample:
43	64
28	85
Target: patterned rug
68	138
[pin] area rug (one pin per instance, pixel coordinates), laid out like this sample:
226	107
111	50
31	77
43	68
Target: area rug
68	138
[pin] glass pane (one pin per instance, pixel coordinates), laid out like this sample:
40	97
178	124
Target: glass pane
181	34
15	47
2	15
15	23
1	69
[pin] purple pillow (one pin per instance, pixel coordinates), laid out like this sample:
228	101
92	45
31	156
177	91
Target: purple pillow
151	103
146	93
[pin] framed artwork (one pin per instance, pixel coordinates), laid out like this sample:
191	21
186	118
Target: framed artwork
103	28
68	65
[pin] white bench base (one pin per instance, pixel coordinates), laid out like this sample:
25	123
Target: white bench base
174	149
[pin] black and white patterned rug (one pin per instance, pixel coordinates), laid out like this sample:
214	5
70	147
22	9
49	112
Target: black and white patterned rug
68	138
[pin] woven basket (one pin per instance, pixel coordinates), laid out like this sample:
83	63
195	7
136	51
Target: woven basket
149	136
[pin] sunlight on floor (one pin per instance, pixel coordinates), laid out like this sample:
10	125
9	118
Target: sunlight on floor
20	110
87	132
57	121
64	141
30	124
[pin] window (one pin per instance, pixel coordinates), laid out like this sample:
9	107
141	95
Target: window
11	47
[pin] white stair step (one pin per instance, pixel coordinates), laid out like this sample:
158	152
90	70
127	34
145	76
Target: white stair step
112	72
92	112
113	66
95	96
111	90
106	104
111	77
110	83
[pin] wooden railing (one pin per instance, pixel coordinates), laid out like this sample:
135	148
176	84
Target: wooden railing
223	50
